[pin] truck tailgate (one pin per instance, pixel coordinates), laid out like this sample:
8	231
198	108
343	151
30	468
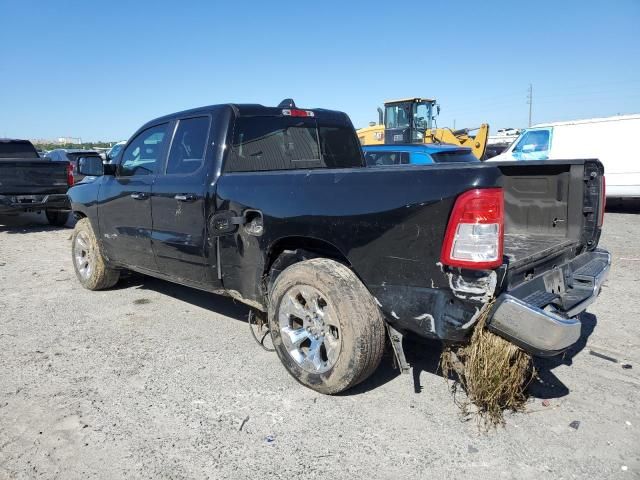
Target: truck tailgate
32	177
551	209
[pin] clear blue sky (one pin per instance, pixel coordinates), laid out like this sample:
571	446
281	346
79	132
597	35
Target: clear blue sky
99	69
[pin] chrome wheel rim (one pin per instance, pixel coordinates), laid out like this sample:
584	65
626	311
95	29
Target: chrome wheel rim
309	329
82	255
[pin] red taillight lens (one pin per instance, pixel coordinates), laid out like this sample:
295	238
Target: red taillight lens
294	112
475	233
69	175
603	201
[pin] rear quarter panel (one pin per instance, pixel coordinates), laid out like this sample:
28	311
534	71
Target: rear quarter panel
387	222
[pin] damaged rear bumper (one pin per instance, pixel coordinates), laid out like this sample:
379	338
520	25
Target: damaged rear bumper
540	315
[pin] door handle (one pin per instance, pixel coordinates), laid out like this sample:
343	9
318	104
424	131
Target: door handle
185	197
139	196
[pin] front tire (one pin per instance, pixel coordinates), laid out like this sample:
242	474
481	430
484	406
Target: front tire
57	218
88	262
326	327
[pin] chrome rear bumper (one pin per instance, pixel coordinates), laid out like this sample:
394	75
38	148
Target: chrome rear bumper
546	330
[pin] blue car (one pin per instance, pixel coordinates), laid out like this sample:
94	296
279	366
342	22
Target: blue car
422	154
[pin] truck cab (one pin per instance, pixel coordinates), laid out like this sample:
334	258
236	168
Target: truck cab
406	120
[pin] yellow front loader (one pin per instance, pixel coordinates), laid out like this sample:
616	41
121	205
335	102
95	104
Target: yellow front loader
410	120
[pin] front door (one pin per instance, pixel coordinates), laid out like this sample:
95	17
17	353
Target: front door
124	209
179	204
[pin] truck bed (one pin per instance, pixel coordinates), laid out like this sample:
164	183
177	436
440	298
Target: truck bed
548	209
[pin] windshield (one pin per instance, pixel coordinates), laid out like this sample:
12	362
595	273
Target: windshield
285	143
422	115
397	116
534	145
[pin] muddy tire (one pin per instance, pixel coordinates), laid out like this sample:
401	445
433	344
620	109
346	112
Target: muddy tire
325	325
57	218
88	262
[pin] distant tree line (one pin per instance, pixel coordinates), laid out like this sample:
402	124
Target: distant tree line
76	146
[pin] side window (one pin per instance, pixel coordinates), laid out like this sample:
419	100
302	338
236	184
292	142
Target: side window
421	158
143	153
386	158
189	146
534	145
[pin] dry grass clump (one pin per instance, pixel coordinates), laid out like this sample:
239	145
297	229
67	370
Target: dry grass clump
492	372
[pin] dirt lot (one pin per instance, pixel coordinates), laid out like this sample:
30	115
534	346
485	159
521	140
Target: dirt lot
153	380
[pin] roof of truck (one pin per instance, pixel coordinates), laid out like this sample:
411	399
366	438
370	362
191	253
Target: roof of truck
635	116
255	109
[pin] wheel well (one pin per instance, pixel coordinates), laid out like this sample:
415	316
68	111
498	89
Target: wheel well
290	250
78	215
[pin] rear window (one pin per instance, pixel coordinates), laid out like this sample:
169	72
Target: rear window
17	150
286	143
454	156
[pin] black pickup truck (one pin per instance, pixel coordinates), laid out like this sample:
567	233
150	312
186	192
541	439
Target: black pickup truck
29	183
274	206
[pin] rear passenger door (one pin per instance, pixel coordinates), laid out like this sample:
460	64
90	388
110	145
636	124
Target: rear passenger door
179	205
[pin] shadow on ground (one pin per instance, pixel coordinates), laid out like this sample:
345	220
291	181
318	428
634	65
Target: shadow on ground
216	303
423	355
547	385
31	222
623	205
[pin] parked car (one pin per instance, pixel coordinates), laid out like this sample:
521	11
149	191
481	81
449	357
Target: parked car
29	183
606	139
72	157
275	207
411	154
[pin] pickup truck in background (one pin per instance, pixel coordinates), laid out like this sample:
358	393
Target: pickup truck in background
29	183
275	207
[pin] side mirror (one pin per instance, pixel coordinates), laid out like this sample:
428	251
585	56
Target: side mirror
90	166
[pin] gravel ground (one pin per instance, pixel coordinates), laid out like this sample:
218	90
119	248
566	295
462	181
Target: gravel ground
153	380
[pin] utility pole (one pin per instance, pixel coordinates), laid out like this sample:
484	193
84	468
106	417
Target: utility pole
530	101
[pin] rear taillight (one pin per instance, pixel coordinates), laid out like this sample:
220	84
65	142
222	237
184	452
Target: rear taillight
603	201
475	233
69	174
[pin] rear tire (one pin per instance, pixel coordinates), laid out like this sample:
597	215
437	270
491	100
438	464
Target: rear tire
88	262
57	218
326	327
